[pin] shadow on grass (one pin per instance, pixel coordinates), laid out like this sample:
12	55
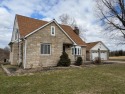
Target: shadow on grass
12	70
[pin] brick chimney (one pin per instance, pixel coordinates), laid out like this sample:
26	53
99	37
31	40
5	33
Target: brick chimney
76	30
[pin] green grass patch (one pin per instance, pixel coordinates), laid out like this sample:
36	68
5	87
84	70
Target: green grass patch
100	79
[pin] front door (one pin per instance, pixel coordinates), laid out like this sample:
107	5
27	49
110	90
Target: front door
64	48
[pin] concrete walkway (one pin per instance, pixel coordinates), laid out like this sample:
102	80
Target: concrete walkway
6	71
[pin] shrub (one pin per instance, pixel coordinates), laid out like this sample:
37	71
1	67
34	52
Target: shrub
64	60
79	61
97	60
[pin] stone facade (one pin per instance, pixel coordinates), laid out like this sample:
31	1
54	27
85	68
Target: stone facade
14	57
33	58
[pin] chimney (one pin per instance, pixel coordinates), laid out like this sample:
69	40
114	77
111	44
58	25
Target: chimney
76	30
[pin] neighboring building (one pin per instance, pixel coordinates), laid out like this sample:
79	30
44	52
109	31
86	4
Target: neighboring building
36	43
4	55
93	50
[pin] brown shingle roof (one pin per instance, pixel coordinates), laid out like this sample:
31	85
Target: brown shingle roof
73	35
91	44
28	25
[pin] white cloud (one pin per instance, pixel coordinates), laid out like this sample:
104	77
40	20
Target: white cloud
81	10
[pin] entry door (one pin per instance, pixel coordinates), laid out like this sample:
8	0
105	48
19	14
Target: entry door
64	48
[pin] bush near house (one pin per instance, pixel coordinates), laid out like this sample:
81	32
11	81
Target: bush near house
79	61
64	60
97	60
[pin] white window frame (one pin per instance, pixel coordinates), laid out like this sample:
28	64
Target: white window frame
44	49
52	31
78	50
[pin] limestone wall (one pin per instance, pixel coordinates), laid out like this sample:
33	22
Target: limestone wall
14	54
34	58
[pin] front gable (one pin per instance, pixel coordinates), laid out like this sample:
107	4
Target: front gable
100	46
44	35
15	33
50	24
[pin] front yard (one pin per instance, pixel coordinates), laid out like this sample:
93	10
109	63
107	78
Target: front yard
97	79
117	58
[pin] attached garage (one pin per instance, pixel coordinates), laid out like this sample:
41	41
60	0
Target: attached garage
96	48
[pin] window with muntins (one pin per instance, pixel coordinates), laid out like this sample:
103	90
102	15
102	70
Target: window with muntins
53	30
45	48
76	50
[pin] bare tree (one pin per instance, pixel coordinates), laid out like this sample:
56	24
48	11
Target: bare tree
68	20
112	14
7	49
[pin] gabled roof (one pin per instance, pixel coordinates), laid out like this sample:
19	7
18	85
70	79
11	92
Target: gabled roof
28	25
91	45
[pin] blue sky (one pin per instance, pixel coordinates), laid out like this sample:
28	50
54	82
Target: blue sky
82	10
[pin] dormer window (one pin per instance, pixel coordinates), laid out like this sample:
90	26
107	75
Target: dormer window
53	30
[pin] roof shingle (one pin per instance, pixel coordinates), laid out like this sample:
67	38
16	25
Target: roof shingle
91	44
27	25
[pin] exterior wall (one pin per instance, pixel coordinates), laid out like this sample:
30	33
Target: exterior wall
21	52
87	55
14	54
84	54
100	46
34	58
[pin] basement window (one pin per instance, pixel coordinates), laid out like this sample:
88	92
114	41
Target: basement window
53	30
46	49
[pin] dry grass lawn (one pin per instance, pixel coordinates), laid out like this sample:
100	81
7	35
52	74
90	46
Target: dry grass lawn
99	79
121	58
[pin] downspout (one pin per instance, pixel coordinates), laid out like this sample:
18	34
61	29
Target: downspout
74	53
25	53
18	51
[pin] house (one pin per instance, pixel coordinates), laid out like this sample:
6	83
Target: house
94	49
37	43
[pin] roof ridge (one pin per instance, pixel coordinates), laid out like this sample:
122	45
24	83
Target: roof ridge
31	18
94	42
41	20
28	25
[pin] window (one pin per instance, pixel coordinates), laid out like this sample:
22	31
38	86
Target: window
53	30
16	34
45	48
76	50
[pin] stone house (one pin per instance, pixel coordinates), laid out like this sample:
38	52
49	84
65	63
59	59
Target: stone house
37	43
